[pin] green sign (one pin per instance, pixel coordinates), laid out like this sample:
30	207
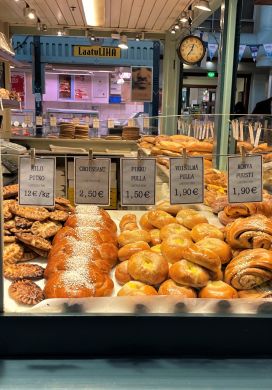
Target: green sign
211	74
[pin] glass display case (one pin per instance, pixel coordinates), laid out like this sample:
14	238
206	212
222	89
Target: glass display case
23	122
172	277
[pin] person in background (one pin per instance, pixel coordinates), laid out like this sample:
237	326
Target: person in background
239	110
264	107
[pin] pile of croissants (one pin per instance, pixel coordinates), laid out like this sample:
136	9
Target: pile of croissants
175	251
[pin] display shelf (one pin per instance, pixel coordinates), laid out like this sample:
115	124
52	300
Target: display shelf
12	104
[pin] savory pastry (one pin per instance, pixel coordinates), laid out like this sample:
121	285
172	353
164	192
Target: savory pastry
32	213
262	291
132	236
28	255
203	230
215	177
160	218
144	223
252	232
45	229
155	236
190	218
170	287
23	271
128	222
22	223
76	284
221	248
148	267
202	256
63	204
25	292
133	288
172	209
6	211
9	239
169	145
128	250
10	191
249	269
173	248
34	241
121	273
189	274
13	253
174	229
218	290
59	215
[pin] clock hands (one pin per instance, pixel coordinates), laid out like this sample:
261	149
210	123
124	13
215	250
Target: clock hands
192	48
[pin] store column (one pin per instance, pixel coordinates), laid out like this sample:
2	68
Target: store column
38	81
225	80
170	92
4	28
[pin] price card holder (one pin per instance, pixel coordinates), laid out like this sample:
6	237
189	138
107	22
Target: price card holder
37	181
39	120
96	123
245	179
110	124
53	121
146	123
186	180
92	181
138	181
131	122
27	120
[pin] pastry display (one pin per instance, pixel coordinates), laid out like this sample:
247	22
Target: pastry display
133	288
218	290
186	273
172	248
221	248
126	251
23	271
190	218
121	273
203	230
170	287
26	292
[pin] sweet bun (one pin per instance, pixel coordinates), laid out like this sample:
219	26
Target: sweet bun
160	218
109	253
128	222
72	284
190	218
173	247
156	248
174	229
218	290
206	230
148	267
144	223
133	288
189	274
170	287
155	236
121	273
172	209
221	248
203	256
128	250
130	236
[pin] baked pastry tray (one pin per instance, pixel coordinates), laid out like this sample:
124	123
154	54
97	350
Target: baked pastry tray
136	304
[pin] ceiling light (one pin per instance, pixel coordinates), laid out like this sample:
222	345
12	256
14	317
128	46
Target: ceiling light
29	12
183	17
173	31
94	11
137	38
12	66
176	26
92	37
44	27
123	44
39	25
203	5
63	31
120	81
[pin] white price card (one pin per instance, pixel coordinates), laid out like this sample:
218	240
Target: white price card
138	181
37	181
27	119
53	121
96	123
92	181
110	124
131	122
245	179
146	123
39	120
186	180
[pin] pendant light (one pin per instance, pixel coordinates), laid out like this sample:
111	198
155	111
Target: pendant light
203	5
123	44
183	17
29	12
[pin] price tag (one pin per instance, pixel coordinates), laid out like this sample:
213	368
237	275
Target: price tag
138	181
37	181
110	124
53	121
186	180
39	120
146	123
96	123
92	181
245	179
27	119
87	120
131	123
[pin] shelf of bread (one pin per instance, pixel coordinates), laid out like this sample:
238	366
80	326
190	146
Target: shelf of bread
168	259
9	99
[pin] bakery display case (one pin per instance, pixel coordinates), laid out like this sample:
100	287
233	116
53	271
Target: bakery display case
150	273
23	123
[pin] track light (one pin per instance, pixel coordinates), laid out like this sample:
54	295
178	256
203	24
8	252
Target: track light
123	44
183	17
92	37
39	25
203	5
29	12
173	31
61	32
44	27
137	38
176	26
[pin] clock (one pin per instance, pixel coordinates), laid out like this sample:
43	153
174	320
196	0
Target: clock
191	50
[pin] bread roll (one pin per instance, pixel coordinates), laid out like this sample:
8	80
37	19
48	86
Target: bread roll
170	287
128	222
132	236
203	230
169	145
156	248
128	250
133	288
109	253
121	273
148	267
190	218
174	229
203	257
173	248
189	274
144	223
155	236
218	290
221	248
172	209
160	218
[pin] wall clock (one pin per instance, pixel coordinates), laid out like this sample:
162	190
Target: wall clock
191	50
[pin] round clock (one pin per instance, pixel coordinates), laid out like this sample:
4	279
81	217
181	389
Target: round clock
191	50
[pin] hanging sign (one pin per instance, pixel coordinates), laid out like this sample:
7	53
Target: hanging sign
138	181
92	181
97	51
242	49
37	181
254	51
212	48
268	49
186	180
245	179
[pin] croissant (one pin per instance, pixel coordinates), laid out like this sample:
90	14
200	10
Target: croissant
247	209
250	232
262	291
128	222
249	269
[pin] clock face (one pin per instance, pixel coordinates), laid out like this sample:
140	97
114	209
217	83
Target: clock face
191	50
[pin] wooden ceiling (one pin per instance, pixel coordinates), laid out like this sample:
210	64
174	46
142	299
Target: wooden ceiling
130	15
